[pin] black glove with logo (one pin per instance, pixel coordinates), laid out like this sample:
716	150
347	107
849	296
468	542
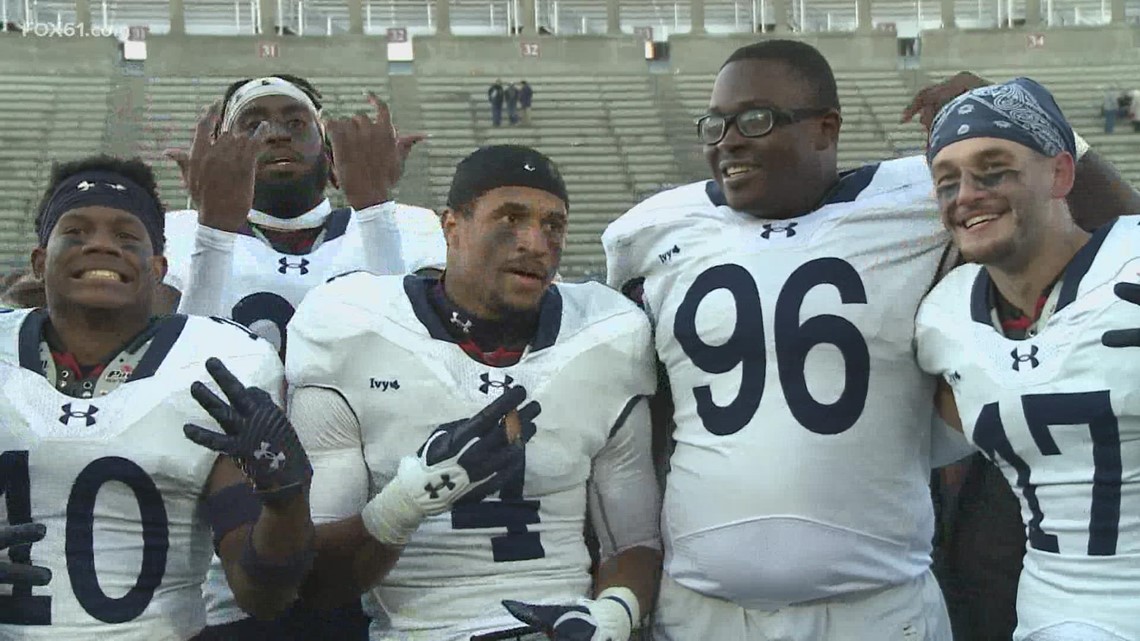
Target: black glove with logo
258	436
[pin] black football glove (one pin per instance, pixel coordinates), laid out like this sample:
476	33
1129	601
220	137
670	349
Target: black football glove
1124	337
20	571
258	436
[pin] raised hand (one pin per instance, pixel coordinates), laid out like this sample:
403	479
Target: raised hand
219	173
930	99
1128	337
462	460
258	436
368	156
15	572
605	619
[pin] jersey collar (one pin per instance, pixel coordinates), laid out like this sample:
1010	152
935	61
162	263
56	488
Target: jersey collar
851	183
418	289
165	333
1070	282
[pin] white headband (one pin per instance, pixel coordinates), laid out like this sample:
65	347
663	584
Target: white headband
267	86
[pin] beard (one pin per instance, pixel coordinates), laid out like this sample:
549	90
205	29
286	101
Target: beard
289	198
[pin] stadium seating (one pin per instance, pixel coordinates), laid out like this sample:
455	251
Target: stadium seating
46	117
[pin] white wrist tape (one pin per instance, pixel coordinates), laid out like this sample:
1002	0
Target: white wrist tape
393	515
627	597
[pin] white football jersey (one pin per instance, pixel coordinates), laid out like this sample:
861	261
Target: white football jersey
379	342
116	483
802	464
267	285
1060	415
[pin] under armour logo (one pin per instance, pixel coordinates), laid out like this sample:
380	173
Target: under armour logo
787	230
68	414
84	186
444	484
1030	358
285	266
664	258
116	186
275	460
489	384
462	324
528	167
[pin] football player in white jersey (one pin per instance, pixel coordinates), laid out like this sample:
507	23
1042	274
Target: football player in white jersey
1022	338
93	407
265	234
783	295
381	363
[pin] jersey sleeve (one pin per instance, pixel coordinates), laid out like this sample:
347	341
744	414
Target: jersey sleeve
421	237
210	270
330	433
623	499
325	332
181	229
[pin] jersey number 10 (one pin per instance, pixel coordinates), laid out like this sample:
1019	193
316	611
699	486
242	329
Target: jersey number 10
22	607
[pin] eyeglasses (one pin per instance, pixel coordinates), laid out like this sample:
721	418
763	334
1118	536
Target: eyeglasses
751	123
946	192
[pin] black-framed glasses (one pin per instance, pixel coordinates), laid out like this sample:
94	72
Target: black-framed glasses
751	123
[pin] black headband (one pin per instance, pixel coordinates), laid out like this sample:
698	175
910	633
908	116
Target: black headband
101	188
504	166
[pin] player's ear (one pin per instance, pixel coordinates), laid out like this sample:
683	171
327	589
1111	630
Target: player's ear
158	266
828	131
39	259
449	221
1064	174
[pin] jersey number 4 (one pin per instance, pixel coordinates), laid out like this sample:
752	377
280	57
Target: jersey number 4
22	607
794	340
1043	411
512	512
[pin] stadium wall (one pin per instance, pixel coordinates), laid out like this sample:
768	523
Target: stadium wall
242	56
1071	46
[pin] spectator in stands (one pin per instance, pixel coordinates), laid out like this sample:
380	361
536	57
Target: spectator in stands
1133	104
511	95
495	97
526	95
1109	110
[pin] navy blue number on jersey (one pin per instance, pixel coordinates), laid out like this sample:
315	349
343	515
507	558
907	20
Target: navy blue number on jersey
23	608
746	347
1042	412
512	512
265	306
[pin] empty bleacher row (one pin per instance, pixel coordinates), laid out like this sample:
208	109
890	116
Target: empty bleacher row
46	118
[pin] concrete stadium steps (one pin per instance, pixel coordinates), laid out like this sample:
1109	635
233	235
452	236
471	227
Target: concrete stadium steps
173	105
49	118
1079	91
605	132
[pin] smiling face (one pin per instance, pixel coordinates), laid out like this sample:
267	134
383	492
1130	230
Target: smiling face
785	172
504	251
994	198
99	258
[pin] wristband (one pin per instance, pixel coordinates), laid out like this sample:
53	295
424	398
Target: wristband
288	572
627	599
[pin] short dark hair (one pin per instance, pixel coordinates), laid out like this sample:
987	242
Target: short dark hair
803	59
134	169
299	82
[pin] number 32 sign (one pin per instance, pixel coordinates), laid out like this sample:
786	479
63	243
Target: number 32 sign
529	49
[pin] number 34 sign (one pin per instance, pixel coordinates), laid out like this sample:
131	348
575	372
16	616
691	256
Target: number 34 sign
529	49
